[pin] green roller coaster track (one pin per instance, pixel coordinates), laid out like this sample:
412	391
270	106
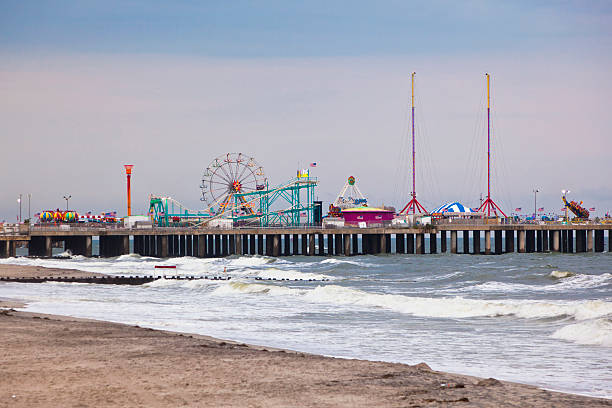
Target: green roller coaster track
290	204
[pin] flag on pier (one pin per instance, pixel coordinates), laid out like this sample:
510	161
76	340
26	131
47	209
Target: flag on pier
518	209
541	209
313	164
592	209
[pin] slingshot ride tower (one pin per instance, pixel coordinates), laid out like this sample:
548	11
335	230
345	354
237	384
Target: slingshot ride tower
413	206
489	205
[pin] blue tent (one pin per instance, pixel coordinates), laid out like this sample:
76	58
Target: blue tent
453	208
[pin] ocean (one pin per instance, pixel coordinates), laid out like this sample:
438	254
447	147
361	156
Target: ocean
542	318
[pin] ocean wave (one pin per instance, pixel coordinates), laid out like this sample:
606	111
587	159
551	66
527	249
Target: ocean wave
233	288
459	307
563	281
561	274
174	283
274	273
246	261
594	332
334	261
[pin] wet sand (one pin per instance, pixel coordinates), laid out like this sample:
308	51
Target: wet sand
57	361
23	271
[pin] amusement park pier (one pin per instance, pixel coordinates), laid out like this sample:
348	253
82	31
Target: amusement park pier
310	241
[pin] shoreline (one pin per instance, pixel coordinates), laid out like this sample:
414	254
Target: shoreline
66	361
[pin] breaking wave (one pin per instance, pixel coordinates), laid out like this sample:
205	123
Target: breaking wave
561	274
459	307
274	273
595	332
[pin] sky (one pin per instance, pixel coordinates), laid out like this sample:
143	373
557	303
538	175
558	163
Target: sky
87	86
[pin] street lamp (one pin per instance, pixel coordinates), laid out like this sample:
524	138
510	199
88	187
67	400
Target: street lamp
535	203
19	201
565	192
67	198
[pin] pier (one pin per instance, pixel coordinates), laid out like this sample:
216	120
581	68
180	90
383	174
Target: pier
204	243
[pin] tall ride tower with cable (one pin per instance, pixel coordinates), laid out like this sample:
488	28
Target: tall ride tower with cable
489	204
413	206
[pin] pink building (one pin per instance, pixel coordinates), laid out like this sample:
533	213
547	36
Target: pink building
370	215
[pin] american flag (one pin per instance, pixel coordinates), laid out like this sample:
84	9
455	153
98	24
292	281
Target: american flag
592	209
518	209
541	209
313	164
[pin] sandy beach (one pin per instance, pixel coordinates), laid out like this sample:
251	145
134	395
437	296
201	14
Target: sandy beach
25	271
57	361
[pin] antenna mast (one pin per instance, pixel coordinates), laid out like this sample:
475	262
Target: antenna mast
414	204
489	204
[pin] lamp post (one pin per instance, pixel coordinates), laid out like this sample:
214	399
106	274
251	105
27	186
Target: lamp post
67	198
29	208
19	201
565	192
535	203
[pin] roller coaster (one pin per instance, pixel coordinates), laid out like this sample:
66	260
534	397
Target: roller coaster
236	191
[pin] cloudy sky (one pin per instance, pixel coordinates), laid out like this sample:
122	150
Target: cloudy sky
87	86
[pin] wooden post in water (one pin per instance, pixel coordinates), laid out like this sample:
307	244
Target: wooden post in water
498	242
453	242
443	243
400	243
487	242
509	241
599	240
466	242
476	241
347	245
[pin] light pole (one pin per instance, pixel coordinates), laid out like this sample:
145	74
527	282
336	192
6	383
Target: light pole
19	201
535	203
29	207
67	198
565	192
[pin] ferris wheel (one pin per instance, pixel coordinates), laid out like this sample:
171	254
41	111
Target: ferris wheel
228	175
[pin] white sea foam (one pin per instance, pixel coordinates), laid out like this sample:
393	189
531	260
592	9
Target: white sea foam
250	261
595	331
174	283
561	274
274	273
233	288
564	281
459	307
335	261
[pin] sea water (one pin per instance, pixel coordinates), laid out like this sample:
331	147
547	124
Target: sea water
542	319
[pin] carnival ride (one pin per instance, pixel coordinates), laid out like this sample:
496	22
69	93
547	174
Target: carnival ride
349	197
413	205
234	187
489	205
59	216
576	208
229	176
48	216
